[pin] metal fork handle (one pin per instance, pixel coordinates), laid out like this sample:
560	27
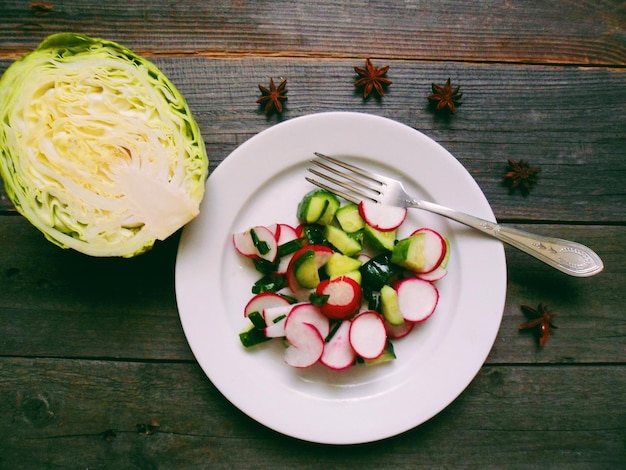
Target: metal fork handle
566	256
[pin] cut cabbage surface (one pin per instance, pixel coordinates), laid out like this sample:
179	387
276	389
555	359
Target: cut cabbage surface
98	149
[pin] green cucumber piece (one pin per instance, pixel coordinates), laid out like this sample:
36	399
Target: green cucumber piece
349	218
342	241
379	271
305	270
257	320
338	265
252	336
409	252
379	240
319	206
355	275
389	306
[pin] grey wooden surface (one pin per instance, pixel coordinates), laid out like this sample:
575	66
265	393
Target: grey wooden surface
94	365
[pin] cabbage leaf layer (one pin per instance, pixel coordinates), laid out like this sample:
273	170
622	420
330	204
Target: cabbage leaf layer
98	149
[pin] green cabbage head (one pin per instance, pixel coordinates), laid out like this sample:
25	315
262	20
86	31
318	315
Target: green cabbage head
98	149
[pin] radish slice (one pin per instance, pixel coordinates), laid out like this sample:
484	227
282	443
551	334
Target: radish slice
261	302
272	314
367	335
344	297
275	229
286	233
398	331
276	329
310	314
306	345
434	250
382	217
265	247
433	275
338	353
417	299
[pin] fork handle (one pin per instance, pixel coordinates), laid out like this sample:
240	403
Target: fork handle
567	256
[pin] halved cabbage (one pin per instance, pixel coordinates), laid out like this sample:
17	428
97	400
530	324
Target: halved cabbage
98	149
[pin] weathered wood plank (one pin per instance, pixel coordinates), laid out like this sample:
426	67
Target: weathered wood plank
568	121
583	32
62	304
85	414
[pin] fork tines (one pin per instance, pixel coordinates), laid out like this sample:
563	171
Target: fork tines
360	183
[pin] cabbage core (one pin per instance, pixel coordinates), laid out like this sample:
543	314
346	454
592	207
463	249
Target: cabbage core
98	149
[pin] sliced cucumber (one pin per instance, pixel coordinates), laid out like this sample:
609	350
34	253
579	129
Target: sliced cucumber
305	270
342	241
349	218
409	252
338	265
318	206
356	275
379	271
252	336
379	240
389	306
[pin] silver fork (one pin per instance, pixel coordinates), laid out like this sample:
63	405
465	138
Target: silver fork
354	184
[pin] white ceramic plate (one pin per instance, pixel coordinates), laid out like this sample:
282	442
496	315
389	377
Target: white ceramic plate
261	182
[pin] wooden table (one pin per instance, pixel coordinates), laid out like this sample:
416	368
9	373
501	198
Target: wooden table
94	366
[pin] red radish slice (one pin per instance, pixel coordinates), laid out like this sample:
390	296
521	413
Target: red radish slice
276	329
310	314
417	299
398	331
271	314
283	264
344	297
434	249
382	217
338	353
275	229
266	248
434	275
263	301
306	345
286	233
244	244
367	335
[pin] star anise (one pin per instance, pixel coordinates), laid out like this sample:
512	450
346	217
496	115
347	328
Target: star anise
273	97
521	175
540	318
445	98
372	78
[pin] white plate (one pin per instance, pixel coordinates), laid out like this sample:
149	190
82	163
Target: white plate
261	182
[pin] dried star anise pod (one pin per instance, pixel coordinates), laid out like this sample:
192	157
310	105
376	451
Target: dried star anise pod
273	97
445	98
372	78
540	318
521	175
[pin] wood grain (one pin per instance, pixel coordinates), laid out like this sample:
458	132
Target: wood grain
103	414
557	32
